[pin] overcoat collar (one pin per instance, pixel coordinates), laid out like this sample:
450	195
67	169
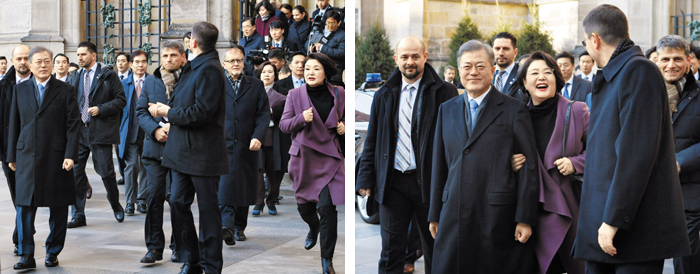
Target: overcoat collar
616	64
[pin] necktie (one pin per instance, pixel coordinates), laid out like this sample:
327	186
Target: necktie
138	88
566	91
42	88
403	150
121	77
499	85
586	77
472	113
236	86
86	98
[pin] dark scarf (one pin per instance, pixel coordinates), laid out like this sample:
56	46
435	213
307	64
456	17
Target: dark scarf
544	118
622	47
297	23
267	17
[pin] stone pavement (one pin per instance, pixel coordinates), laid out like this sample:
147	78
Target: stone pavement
274	244
368	246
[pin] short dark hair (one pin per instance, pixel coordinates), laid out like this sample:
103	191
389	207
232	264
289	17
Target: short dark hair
329	67
74	65
54	58
277	25
287	7
89	45
565	54
137	53
270	9
291	56
285	69
277	54
187	35
3	58
523	57
262	66
448	67
609	22
205	34
648	53
302	9
250	19
584	53
551	63
333	14
506	35
695	50
128	57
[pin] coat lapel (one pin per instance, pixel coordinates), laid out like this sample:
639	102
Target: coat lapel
96	79
691	94
49	93
459	122
553	150
491	110
245	86
332	120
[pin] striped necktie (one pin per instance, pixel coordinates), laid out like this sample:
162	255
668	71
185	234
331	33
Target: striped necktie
86	97
403	148
499	84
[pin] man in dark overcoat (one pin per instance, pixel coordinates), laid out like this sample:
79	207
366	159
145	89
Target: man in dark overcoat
42	148
247	119
397	167
631	216
196	152
477	203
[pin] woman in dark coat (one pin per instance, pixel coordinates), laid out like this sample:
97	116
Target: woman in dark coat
299	30
558	215
266	15
273	161
316	164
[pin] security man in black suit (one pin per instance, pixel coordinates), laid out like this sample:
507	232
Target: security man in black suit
196	152
576	88
296	80
101	100
505	50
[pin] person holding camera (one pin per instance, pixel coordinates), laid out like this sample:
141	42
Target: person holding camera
299	30
333	45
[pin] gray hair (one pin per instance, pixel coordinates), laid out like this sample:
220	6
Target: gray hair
475	45
40	49
674	42
448	67
173	45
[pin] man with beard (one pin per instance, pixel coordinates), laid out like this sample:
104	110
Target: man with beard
18	73
61	65
504	48
673	61
158	88
101	100
397	167
631	215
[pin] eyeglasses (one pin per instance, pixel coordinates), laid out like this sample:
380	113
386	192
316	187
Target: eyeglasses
584	40
234	61
468	68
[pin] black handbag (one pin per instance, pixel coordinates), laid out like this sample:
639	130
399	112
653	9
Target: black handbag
340	118
576	179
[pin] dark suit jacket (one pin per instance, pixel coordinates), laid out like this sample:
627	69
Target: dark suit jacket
313	15
631	180
7	85
153	91
580	89
196	143
247	118
255	42
286	46
41	137
335	48
473	183
686	125
510	87
106	93
377	162
284	86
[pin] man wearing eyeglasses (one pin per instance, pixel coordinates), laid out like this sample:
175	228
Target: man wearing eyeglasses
251	40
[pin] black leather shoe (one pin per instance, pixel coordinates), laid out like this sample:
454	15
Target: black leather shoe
119	215
76	223
120	181
129	209
191	268
152	256
311	239
175	257
51	260
25	262
327	266
239	235
141	208
227	235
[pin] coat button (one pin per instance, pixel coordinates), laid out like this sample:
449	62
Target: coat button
235	141
37	116
384	157
466	151
627	219
235	121
235	103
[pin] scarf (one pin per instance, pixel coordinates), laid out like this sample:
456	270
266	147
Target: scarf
169	80
622	47
674	91
264	19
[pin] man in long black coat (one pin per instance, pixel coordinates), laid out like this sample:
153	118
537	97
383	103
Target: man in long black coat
196	152
631	191
247	119
403	193
42	147
477	203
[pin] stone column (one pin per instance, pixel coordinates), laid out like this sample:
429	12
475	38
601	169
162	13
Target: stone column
183	14
45	25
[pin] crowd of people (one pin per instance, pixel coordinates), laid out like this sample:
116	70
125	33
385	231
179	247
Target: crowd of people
223	129
493	179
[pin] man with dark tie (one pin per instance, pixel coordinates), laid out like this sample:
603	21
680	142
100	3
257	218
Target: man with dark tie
196	152
18	73
575	88
131	136
396	161
295	80
42	147
101	100
477	204
504	48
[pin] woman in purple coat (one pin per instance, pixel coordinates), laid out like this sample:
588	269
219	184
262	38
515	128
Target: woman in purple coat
558	215
316	164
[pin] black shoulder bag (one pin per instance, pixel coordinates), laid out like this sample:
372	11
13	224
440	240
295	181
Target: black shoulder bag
576	179
340	118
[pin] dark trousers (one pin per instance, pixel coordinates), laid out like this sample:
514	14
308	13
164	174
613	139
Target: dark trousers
274	179
413	242
234	217
135	183
207	250
153	229
401	203
57	222
120	161
328	223
690	264
104	166
10	175
650	267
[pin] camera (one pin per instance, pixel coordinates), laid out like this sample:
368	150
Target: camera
257	56
318	24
